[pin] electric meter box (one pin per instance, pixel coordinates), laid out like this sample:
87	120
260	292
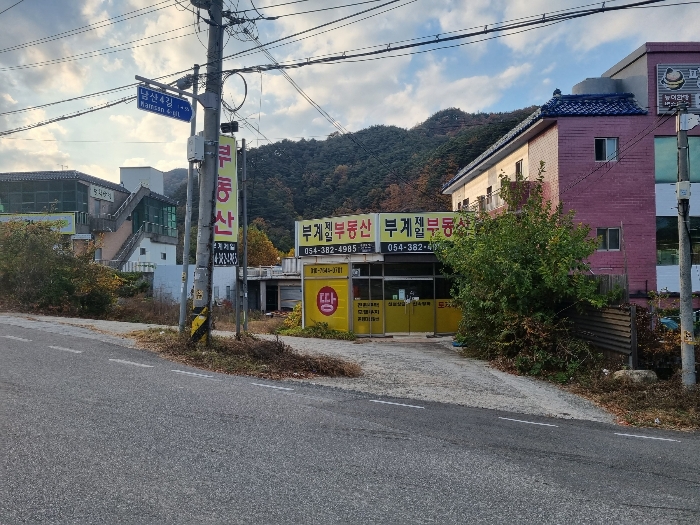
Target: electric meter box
195	148
683	190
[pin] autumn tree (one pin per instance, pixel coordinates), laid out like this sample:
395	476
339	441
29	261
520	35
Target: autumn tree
261	251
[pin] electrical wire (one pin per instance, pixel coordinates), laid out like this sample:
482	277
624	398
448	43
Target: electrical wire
612	163
101	52
539	22
626	6
13	5
68	116
91	27
344	131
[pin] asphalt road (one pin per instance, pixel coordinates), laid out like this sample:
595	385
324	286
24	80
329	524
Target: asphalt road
94	432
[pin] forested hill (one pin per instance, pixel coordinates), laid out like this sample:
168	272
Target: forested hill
381	168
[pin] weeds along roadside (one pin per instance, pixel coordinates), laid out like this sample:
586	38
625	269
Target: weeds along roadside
247	355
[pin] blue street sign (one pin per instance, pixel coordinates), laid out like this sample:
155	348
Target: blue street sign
163	104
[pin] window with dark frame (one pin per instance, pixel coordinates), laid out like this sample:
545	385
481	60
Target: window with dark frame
609	239
163	255
142	251
605	149
519	168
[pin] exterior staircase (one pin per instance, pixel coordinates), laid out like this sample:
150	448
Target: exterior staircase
112	222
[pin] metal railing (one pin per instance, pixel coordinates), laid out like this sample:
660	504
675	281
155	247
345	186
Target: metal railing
129	266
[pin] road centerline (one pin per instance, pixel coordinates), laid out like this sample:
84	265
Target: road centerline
396	404
271	386
529	422
14	338
66	349
124	362
194	374
647	437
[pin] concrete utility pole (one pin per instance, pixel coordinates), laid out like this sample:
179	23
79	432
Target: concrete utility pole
188	209
244	181
683	123
202	300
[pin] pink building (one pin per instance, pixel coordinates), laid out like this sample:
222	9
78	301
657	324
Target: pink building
610	153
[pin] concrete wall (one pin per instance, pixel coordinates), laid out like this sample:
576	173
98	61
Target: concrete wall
153	253
112	241
132	178
618	194
545	148
167	281
477	186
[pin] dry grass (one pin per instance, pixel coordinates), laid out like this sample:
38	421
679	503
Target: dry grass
246	356
642	404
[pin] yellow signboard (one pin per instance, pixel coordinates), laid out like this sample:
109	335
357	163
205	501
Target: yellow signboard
326	271
226	226
448	317
67	219
326	301
337	235
413	232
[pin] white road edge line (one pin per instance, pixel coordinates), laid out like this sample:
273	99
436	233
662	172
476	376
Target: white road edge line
17	338
194	374
271	386
397	404
646	437
130	363
529	422
66	349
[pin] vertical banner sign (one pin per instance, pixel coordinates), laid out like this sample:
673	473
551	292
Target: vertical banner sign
226	226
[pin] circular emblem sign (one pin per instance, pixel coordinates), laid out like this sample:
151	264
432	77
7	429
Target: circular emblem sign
327	300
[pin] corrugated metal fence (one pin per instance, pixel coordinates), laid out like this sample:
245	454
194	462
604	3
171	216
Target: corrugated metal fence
613	329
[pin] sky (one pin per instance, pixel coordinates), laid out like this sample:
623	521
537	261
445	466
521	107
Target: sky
43	60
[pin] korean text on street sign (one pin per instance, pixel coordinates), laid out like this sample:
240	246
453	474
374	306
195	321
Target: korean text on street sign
163	104
337	235
414	232
226	226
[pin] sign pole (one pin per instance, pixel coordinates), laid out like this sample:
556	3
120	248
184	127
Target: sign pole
685	251
244	180
202	301
188	212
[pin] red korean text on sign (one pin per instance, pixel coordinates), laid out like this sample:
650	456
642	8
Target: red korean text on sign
340	229
224	154
226	222
365	227
448	226
352	229
327	300
433	225
224	189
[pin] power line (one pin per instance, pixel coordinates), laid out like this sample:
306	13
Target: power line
344	131
543	21
68	116
13	5
101	52
91	27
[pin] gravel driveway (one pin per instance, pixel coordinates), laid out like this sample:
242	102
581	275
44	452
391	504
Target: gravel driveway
405	367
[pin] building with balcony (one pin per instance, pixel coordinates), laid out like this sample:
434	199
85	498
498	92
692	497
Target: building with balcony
133	223
610	154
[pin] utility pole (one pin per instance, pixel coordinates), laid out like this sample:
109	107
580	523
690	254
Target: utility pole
244	181
202	300
684	122
188	210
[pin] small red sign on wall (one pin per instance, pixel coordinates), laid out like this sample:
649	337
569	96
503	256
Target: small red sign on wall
327	300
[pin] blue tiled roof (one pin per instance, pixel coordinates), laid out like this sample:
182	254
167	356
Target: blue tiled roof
592	106
613	104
